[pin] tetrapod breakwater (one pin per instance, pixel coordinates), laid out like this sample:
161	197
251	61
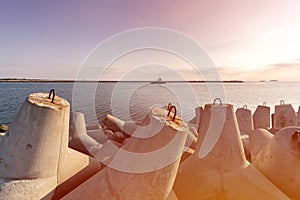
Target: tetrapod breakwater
219	154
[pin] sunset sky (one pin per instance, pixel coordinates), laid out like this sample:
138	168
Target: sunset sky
249	40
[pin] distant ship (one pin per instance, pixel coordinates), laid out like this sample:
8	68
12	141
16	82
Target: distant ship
158	81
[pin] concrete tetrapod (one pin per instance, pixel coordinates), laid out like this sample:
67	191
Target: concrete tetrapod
73	168
81	141
284	116
145	167
98	135
33	153
218	168
279	161
115	124
261	117
245	120
258	138
30	152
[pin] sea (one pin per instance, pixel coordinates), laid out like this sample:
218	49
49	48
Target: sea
131	101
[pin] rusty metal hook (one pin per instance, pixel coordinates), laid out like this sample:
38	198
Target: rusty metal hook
52	91
264	103
169	106
245	106
282	102
219	101
174	116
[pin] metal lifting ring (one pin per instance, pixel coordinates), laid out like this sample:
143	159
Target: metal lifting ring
245	106
52	91
282	102
174	116
169	106
264	103
219	101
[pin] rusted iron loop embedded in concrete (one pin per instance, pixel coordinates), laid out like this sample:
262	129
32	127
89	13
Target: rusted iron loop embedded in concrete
52	91
219	101
169	106
264	103
245	106
170	109
282	102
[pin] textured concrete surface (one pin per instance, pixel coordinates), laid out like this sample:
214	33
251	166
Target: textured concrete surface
218	168
279	161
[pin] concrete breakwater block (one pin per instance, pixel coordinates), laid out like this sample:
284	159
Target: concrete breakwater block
34	157
98	135
124	128
258	138
80	140
245	120
144	167
37	129
261	117
31	150
284	116
117	125
279	161
218	168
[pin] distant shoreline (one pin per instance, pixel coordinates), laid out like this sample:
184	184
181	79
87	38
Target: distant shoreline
87	81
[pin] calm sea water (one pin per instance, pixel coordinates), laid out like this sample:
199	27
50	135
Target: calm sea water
131	101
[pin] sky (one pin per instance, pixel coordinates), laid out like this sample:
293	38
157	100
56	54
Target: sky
248	40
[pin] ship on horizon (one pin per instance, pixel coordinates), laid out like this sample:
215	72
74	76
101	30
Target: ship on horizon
158	81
